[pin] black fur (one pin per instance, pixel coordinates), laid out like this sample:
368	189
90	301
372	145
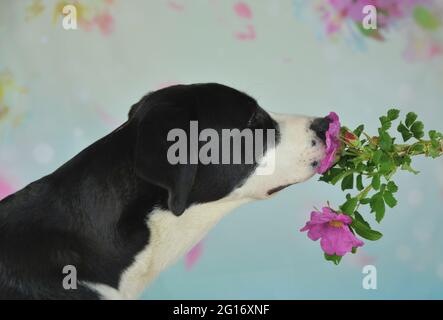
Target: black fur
91	212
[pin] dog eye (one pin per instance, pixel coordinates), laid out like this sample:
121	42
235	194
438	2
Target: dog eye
313	143
314	163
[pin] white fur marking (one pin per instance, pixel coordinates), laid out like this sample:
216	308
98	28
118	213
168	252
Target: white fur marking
170	238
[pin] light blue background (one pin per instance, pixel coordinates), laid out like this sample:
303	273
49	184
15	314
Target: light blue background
80	85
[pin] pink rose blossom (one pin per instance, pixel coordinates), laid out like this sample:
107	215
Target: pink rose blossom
388	10
332	143
332	229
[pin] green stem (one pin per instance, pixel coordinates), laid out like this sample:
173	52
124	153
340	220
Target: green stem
364	192
405	149
362	195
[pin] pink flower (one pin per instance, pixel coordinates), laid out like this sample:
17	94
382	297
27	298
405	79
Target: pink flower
332	143
332	228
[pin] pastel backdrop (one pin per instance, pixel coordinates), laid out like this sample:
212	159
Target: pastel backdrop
61	90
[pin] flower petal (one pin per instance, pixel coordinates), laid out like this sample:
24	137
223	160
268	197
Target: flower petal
344	218
316	232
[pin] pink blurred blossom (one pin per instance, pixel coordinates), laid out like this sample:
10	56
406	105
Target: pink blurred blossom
193	255
243	10
176	6
249	34
6	188
105	23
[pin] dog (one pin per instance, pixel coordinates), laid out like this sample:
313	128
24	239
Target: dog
120	213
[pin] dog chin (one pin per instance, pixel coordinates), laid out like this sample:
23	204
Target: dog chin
277	189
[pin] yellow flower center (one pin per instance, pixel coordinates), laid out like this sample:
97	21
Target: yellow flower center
336	224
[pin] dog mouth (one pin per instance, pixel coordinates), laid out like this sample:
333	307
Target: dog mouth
277	189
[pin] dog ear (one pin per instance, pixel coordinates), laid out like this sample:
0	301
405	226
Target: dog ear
151	160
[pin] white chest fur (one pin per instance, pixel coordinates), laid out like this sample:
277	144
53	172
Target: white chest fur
170	238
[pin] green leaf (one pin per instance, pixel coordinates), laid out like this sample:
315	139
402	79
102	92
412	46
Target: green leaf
349	206
334	258
385	123
360	218
348	182
410	119
365	200
329	175
425	18
387	165
376	157
378	206
359	130
340	176
405	133
417	129
436	143
376	182
434	152
389	199
435	135
393	114
360	167
363	229
418	148
360	186
398	160
392	187
385	141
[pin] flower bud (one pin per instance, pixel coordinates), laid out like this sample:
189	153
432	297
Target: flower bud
350	137
375	140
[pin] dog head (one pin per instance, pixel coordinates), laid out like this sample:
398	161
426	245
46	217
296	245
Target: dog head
196	142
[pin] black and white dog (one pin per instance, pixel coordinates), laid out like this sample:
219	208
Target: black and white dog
121	213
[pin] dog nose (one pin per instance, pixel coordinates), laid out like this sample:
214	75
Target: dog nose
320	126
